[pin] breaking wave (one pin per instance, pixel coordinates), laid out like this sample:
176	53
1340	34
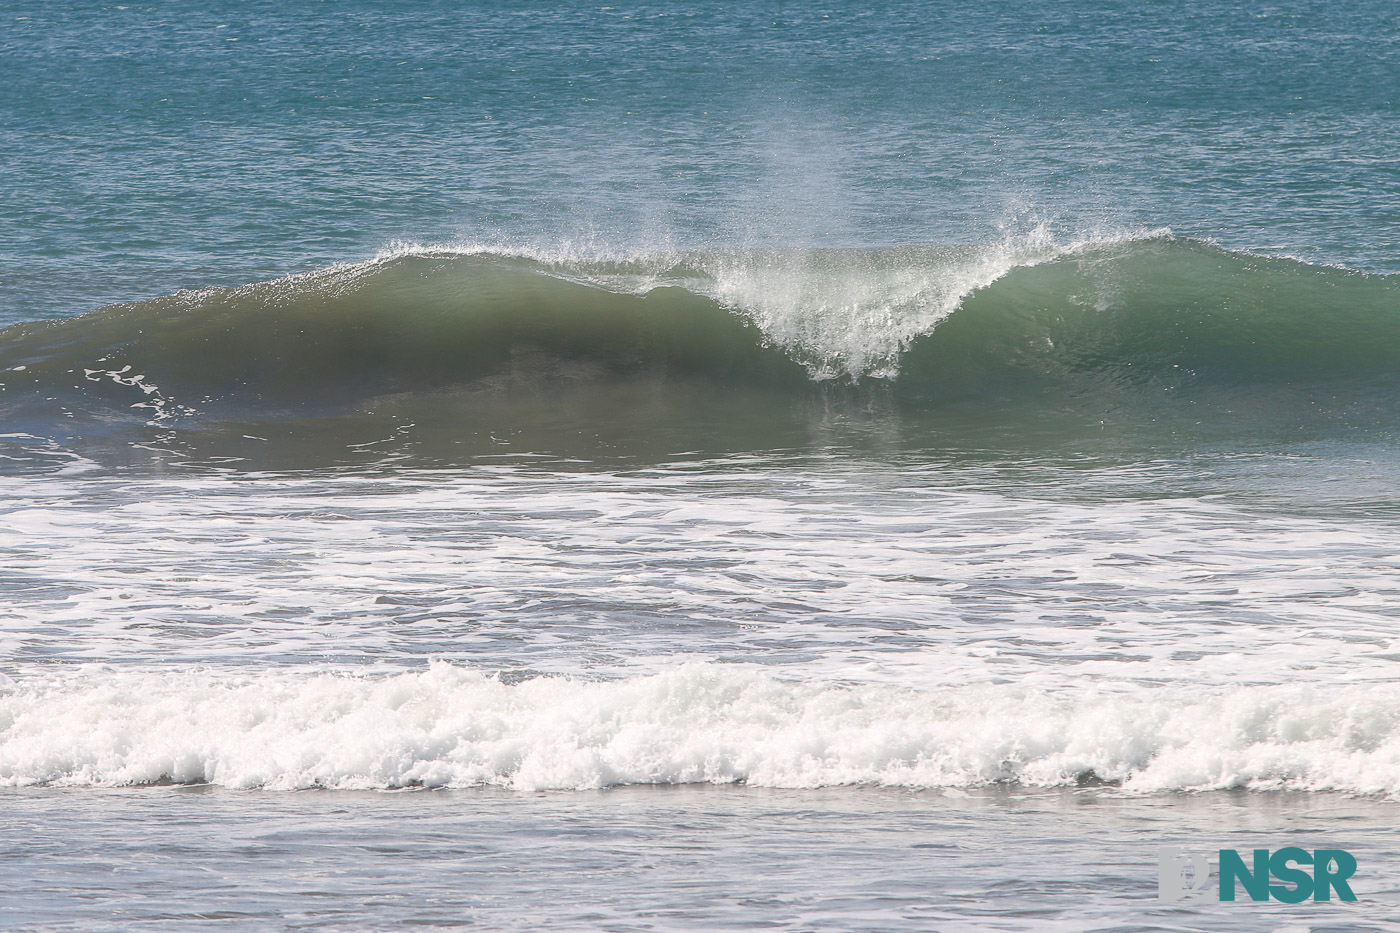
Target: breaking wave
1132	328
448	726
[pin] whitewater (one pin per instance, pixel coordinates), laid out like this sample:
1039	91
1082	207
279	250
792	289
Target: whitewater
659	468
1106	521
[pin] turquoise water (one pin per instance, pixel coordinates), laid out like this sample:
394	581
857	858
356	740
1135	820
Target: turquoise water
694	467
152	147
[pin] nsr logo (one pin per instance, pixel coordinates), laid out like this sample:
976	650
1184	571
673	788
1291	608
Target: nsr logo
1185	876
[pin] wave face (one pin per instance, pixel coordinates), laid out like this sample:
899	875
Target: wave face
1126	331
701	723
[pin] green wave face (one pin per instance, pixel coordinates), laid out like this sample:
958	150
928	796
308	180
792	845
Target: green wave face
1164	314
457	354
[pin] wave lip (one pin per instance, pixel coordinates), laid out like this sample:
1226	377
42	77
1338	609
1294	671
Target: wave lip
701	723
845	313
1145	332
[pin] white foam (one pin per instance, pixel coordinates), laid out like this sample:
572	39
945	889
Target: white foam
843	312
855	313
699	723
925	574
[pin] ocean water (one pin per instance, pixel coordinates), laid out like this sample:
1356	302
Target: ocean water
695	467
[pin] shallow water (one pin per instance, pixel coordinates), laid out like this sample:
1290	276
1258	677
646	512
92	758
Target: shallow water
712	468
673	858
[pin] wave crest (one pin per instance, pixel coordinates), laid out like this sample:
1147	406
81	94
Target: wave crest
1136	330
701	723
